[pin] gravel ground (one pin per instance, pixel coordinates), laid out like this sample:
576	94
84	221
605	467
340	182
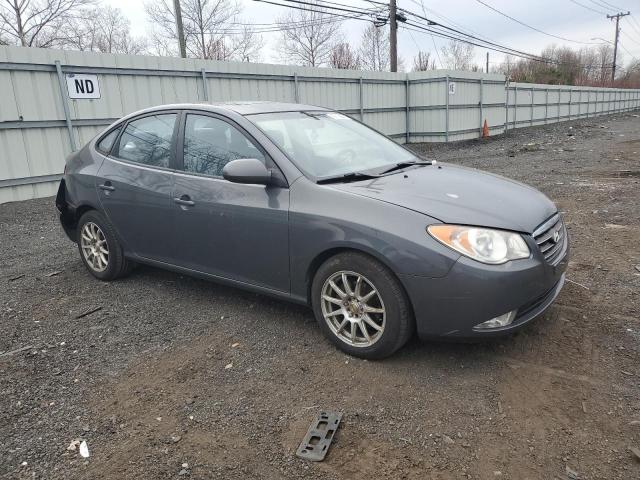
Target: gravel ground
177	377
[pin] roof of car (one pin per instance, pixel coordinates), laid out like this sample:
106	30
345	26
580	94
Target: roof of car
242	108
248	108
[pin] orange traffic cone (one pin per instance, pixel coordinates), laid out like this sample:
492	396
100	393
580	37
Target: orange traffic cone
485	129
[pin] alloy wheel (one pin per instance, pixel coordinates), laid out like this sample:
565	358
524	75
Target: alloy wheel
353	308
94	247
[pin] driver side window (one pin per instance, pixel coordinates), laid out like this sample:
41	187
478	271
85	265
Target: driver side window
211	143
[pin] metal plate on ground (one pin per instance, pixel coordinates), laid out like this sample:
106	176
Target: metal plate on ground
318	438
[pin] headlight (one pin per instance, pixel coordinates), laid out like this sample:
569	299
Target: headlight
482	244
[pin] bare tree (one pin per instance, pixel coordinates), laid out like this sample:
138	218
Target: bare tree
374	48
104	29
161	46
206	24
38	23
308	37
245	46
605	61
423	62
342	56
457	55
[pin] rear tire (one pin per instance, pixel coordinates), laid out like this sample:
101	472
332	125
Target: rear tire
361	306
99	247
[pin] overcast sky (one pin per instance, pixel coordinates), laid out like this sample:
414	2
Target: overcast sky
562	18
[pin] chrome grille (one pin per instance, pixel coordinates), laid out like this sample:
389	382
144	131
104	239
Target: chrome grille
551	237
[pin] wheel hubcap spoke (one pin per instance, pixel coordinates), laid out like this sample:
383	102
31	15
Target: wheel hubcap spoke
360	317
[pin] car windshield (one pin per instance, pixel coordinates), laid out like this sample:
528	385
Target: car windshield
328	144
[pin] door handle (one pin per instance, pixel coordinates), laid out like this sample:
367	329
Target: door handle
184	200
107	187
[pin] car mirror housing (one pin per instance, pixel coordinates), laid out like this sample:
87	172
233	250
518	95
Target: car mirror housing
247	170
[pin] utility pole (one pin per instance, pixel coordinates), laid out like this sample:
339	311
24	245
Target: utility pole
180	28
487	71
615	44
393	35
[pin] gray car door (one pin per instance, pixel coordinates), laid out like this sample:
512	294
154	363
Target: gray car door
231	230
135	183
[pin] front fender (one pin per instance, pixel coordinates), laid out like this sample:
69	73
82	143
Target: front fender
323	219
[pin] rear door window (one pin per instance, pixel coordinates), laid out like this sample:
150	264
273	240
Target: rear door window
148	140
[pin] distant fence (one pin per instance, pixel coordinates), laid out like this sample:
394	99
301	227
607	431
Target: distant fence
40	122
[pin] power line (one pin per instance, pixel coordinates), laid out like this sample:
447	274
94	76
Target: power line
505	50
321	4
485	43
611	5
499	48
312	10
637	30
602	5
531	27
629	37
630	54
588	7
433	39
452	33
460	26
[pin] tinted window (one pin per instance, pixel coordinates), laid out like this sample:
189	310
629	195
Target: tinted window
106	143
148	140
211	143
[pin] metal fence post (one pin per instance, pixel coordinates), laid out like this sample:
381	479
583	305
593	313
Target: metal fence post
205	89
361	100
533	92
570	98
559	103
446	120
481	99
546	105
626	103
65	106
579	105
506	106
588	101
296	94
515	107
406	114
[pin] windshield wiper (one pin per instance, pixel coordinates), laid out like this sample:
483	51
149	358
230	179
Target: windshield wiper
347	177
401	165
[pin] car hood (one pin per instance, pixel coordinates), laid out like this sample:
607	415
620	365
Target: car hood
460	195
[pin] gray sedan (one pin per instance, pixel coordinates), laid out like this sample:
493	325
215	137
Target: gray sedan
309	205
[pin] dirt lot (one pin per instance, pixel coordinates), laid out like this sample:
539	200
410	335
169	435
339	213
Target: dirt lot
172	370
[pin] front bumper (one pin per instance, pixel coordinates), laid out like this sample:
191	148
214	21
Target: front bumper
473	293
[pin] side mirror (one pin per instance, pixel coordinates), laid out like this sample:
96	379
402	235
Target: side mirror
247	170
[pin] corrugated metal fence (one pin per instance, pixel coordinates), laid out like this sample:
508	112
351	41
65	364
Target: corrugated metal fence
40	124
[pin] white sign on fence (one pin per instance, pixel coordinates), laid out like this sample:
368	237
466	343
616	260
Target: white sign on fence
81	85
452	88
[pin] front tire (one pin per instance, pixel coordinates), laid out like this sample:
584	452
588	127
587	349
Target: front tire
100	249
361	306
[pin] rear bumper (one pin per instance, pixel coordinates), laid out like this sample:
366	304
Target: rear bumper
66	212
473	293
